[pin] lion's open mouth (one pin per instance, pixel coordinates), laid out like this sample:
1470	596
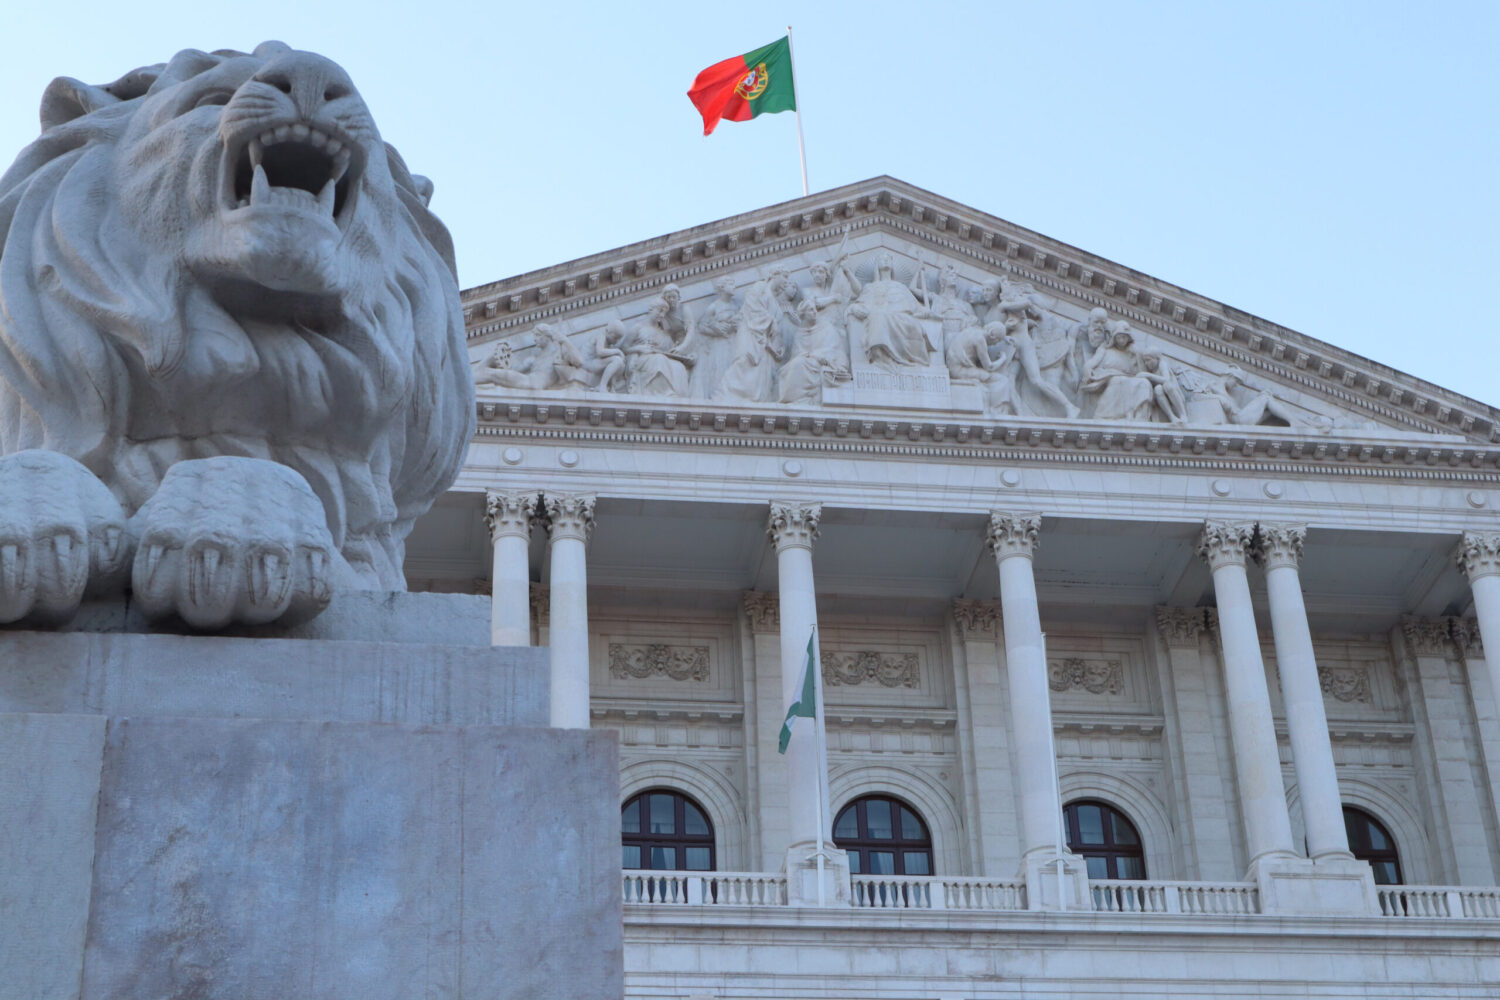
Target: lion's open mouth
296	167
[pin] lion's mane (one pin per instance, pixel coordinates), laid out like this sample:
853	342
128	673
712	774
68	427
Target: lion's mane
115	350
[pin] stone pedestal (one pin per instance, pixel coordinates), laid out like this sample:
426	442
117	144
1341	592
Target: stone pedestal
1330	888
1046	890
802	876
236	817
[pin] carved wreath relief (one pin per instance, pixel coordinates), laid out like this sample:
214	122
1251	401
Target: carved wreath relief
883	326
1093	676
886	669
678	663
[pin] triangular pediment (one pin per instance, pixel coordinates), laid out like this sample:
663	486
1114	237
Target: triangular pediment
971	321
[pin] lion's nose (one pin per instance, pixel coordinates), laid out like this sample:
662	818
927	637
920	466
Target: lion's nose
307	78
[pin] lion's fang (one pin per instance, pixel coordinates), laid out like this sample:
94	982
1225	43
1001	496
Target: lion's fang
260	185
326	196
256	151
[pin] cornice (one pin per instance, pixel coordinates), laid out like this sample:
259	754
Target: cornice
624	420
1218	330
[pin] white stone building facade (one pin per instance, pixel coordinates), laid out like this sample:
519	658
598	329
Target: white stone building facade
1220	577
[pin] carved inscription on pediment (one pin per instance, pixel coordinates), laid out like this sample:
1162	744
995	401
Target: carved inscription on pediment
678	663
885	669
866	326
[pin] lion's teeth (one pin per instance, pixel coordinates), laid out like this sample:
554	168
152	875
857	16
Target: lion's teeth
260	185
340	165
300	132
256	151
282	131
318	139
267	137
334	147
326	196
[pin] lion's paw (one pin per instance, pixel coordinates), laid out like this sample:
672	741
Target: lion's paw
62	533
233	540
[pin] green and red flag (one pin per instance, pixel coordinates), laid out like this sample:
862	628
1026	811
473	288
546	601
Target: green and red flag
744	87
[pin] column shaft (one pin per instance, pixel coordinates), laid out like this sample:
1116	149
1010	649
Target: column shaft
1013	539
793	527
1307	724
509	517
570	520
1268	828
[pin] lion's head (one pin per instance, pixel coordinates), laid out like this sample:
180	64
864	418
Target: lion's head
220	256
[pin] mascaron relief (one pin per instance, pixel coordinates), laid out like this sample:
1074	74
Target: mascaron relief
880	329
886	669
678	663
1347	684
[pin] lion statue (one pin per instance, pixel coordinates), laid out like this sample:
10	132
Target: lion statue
232	365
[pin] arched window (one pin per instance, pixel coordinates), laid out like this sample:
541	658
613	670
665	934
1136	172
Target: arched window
663	830
1373	843
1105	839
883	837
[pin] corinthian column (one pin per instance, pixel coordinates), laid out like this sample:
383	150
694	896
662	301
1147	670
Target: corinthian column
1479	558
1268	828
570	520
793	527
509	516
1013	539
1279	549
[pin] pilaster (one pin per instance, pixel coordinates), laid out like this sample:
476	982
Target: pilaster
989	789
766	768
1203	824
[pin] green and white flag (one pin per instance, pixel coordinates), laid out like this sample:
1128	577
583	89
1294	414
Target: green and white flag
805	707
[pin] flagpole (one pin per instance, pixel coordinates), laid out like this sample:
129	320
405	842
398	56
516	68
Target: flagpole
816	666
797	113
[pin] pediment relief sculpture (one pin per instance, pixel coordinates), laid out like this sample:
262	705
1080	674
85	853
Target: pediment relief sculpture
875	327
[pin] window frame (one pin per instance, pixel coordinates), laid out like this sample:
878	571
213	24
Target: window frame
1110	851
860	846
679	840
1363	851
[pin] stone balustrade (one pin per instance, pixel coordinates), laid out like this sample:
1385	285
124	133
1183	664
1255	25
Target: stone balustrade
1113	896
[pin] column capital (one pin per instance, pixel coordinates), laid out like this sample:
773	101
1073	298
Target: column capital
1225	543
1013	534
793	524
509	512
1279	545
976	619
1465	634
1425	636
569	515
1181	626
1479	554
763	611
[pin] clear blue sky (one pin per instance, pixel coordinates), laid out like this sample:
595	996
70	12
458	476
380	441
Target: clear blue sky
1329	166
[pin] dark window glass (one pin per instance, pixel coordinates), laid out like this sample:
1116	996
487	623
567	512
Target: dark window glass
676	833
883	837
1373	843
1105	839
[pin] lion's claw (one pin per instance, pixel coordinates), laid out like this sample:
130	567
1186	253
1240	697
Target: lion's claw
228	540
62	534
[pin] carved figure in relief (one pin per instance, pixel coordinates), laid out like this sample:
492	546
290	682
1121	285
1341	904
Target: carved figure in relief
1114	374
500	369
675	319
609	365
890	317
1227	399
949	299
821	356
966	350
1020	312
1166	389
1088	337
232	358
655	367
712	342
759	342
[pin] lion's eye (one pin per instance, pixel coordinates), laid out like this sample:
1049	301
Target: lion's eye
214	97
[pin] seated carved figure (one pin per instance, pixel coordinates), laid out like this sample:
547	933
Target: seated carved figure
1114	373
232	365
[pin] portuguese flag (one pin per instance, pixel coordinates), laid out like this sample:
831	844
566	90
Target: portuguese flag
756	83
